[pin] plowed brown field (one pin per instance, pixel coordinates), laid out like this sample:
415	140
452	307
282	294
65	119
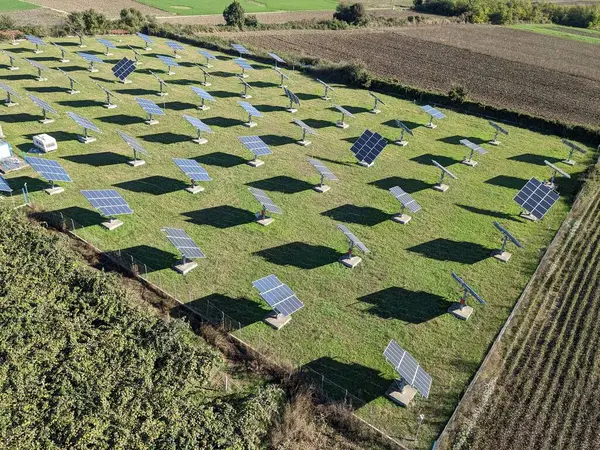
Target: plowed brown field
536	74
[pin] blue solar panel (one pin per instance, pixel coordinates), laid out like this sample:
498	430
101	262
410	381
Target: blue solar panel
202	93
34	39
50	170
436	114
174	45
206	54
123	68
276	58
255	145
9	89
150	107
42	104
185	244
536	198
278	295
107	43
293	97
197	123
368	146
133	143
250	109
168	61
36	64
240	49
82	121
243	64
89	57
192	169
4	187
146	38
108	201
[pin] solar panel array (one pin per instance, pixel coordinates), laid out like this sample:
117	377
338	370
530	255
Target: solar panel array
133	143
240	49
536	198
323	170
42	104
293	97
149	106
49	169
36	64
34	39
168	61
468	288
508	235
255	145
278	295
405	198
197	123
185	244
4	187
108	201
243	64
436	114
192	169
83	122
90	58
250	109
353	239
203	94
206	54
344	111
123	68
302	125
474	147
266	202
107	43
276	58
175	45
326	85
408	368
498	127
368	146
145	37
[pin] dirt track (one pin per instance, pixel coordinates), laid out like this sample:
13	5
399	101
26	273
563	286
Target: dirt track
541	75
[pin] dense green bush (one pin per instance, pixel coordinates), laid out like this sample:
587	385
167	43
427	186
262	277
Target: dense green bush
6	22
234	15
83	368
355	14
133	20
88	22
251	21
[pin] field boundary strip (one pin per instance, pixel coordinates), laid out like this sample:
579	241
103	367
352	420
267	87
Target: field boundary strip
544	261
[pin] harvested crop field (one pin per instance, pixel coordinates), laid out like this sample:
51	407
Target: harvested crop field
536	74
110	8
541	390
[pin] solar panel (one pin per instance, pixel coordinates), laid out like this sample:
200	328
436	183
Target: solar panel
536	198
83	122
108	201
403	127
243	64
133	143
107	43
4	187
34	40
276	58
293	97
255	145
206	54
146	38
42	104
240	49
557	169
265	200
197	123
49	169
11	57
498	128
203	94
9	89
251	110
436	114
344	111
468	289
353	239
327	87
473	147
149	106
192	169
323	170
573	146
168	61
377	100
368	146
302	125
175	45
90	58
283	75
408	368
36	64
123	68
405	199
185	244
443	169
71	79
508	235
278	295
63	51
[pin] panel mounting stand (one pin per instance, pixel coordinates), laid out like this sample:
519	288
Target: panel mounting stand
400	393
184	266
350	260
263	219
460	310
53	190
365	164
136	162
194	188
528	216
501	255
112	224
255	162
277	321
401	218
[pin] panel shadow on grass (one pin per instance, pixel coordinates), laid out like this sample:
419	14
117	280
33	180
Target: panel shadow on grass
275	141
81	216
281	183
299	254
507	181
167	138
271	108
223	122
155	185
79	103
99	159
354	109
456	140
33	184
223	216
46	89
489	212
304	96
455	251
317	123
531	158
426	160
220	159
20	117
363	382
409	185
222	74
362	215
224	94
179	106
153	258
121	119
410	125
137	91
19	77
408	306
263	84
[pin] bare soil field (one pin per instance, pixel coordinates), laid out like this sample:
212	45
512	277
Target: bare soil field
111	7
536	74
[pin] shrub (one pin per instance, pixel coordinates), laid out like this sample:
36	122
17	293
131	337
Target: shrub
251	21
234	14
6	23
88	22
354	14
458	94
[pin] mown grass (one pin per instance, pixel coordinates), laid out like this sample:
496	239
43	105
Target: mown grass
192	7
577	34
15	5
403	287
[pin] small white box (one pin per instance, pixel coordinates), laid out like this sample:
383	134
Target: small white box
45	142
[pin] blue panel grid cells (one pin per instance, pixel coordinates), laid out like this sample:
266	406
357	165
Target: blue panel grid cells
368	146
302	125
123	68
206	54
149	106
168	61
36	64
174	45
255	145
89	57
352	238
108	201
266	202
197	123
276	58
185	244
192	169
408	368
49	169
470	145
278	295
468	289
42	104
293	97
4	187
323	170
133	143
145	37
240	49
82	121
107	43
536	198
9	89
405	198
34	39
203	94
250	109
436	114
243	64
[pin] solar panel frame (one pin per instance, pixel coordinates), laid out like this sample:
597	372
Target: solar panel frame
183	242
536	198
323	170
302	125
203	94
107	43
498	128
408	368
508	234
192	169
403	127
36	64
9	89
293	97
344	111
207	54
90	57
574	146
69	76
473	147
42	104
174	45
368	146
245	65
145	38
108	201
326	85
241	49
133	143
468	289
283	75
353	239
4	187
168	60
49	169
83	122
405	199
251	110
266	202
256	145
278	295
557	169
377	99
34	40
433	112
197	123
123	68
149	106
443	169
276	57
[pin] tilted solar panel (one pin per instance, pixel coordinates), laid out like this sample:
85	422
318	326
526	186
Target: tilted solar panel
90	58
82	121
278	295
468	289
368	146
185	244
255	145
206	54
42	104
250	109
107	43
408	368
175	45
149	106
405	198
536	198
302	125
108	201
323	170
168	61
203	94
123	68
436	114
133	143
352	238
4	187
243	64
265	200
276	58
192	169
49	169
478	148
197	123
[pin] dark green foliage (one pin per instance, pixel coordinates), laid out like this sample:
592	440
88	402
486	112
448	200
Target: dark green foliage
6	22
88	22
133	20
251	21
458	94
354	14
82	368
234	15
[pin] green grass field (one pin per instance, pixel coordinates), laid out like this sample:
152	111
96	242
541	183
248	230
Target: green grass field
15	5
403	286
578	34
192	7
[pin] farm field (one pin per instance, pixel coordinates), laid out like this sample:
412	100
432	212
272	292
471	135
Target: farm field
542	392
577	34
498	66
192	7
15	5
403	287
